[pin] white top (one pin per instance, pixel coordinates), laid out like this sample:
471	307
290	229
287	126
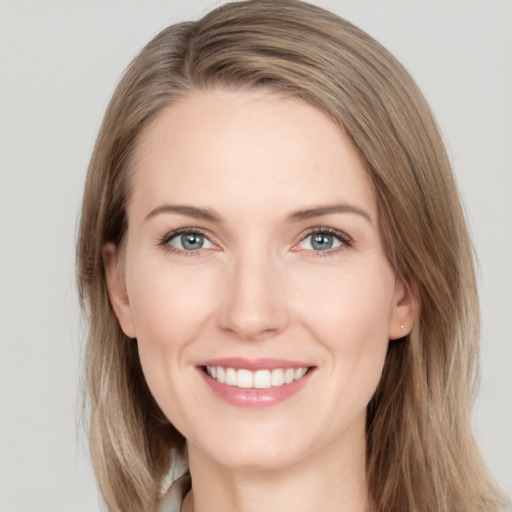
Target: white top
176	483
173	498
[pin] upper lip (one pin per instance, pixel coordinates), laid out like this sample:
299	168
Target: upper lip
239	363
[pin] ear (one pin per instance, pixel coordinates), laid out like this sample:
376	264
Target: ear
403	311
117	291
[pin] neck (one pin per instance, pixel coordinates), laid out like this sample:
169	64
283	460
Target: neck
330	480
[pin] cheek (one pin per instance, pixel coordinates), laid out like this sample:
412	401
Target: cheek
168	305
170	310
350	304
349	316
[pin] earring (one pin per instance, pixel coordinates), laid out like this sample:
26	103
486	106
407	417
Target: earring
402	327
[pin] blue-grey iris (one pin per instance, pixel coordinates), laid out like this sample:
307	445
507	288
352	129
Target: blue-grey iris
192	241
321	242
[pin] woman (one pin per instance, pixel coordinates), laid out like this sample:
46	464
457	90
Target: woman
279	278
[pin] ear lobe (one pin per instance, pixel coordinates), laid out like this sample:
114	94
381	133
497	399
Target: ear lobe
403	312
117	289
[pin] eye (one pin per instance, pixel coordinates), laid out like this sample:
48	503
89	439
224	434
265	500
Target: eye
186	240
324	240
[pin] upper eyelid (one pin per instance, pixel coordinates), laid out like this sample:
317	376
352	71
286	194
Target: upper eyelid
329	231
176	232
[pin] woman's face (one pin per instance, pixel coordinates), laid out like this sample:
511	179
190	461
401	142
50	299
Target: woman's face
255	280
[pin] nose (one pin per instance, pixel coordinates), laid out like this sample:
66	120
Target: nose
253	304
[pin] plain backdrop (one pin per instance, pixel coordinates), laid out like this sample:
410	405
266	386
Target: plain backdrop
59	63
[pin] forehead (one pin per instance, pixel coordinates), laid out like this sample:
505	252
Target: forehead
245	149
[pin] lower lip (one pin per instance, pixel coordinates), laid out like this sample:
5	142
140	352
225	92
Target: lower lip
255	397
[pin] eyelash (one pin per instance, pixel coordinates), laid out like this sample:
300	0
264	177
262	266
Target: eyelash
346	241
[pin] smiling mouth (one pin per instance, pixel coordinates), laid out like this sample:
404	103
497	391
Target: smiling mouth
259	379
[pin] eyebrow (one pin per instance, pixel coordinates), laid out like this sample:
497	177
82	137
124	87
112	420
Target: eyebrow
301	215
296	216
189	211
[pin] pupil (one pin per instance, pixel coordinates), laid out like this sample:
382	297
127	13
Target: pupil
321	242
192	241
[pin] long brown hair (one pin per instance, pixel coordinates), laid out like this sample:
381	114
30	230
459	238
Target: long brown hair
421	454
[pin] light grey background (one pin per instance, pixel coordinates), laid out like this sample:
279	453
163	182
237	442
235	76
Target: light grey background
59	62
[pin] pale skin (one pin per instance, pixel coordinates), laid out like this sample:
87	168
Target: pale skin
258	284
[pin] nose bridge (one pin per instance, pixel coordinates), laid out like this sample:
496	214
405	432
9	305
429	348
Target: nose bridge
254	304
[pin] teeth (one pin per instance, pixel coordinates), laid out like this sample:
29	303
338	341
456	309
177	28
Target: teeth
277	377
244	379
300	372
260	379
230	377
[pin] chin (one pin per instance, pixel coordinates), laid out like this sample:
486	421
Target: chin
256	459
257	447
